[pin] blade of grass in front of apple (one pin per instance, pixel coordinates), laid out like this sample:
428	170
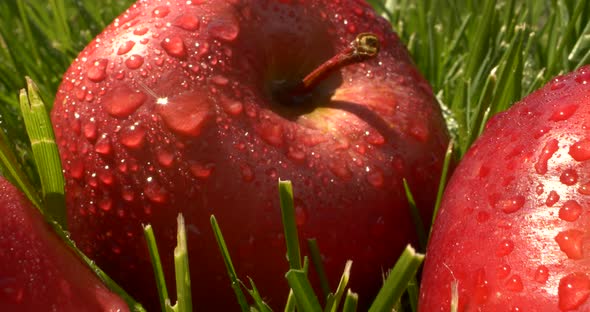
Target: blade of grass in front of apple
416	218
184	301
150	238
302	290
316	259
334	299
45	152
351	302
231	271
397	281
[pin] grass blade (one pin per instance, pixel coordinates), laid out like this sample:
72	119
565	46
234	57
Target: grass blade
157	265
231	271
397	281
306	299
289	224
416	218
351	302
316	259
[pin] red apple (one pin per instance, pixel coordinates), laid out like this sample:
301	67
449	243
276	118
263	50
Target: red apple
201	106
512	230
38	272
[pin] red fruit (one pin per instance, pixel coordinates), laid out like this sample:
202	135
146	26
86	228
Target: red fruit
512	230
186	106
38	272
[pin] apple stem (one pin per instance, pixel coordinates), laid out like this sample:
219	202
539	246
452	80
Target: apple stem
364	46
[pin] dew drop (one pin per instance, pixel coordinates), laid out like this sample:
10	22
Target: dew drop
564	112
122	102
584	189
514	283
154	192
165	157
103	145
552	198
126	47
300	214
510	205
570	211
375	177
503	271
185	114
569	177
573	291
201	171
374	138
339	168
550	148
580	150
106	176
132	137
105	204
160	11
96	72
542	274
10	291
296	154
247	173
232	107
174	46
140	31
582	76
570	242
482	216
134	61
224	29
219	80
271	133
505	248
187	22
76	169
127	194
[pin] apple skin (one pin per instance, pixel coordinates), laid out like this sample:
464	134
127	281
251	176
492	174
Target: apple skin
171	109
512	229
38	272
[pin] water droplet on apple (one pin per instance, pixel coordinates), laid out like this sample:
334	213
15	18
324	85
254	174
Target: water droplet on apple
76	169
174	46
132	137
187	22
106	203
339	168
570	242
201	171
584	189
542	274
505	248
134	61
185	114
296	154
552	198
569	177
503	271
564	112
161	11
154	192
510	205
247	173
224	28
126	47
90	131
514	283
556	84
165	157
103	145
97	71
140	31
106	175
375	177
271	133
219	80
300	214
570	211
122	102
550	148
482	216
573	291
127	194
231	106
582	76
580	150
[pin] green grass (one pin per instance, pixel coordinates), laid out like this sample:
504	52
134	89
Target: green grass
480	57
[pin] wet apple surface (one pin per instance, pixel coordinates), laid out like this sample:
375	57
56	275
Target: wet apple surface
174	107
38	272
512	230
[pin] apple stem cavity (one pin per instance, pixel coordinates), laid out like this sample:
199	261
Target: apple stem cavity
363	47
